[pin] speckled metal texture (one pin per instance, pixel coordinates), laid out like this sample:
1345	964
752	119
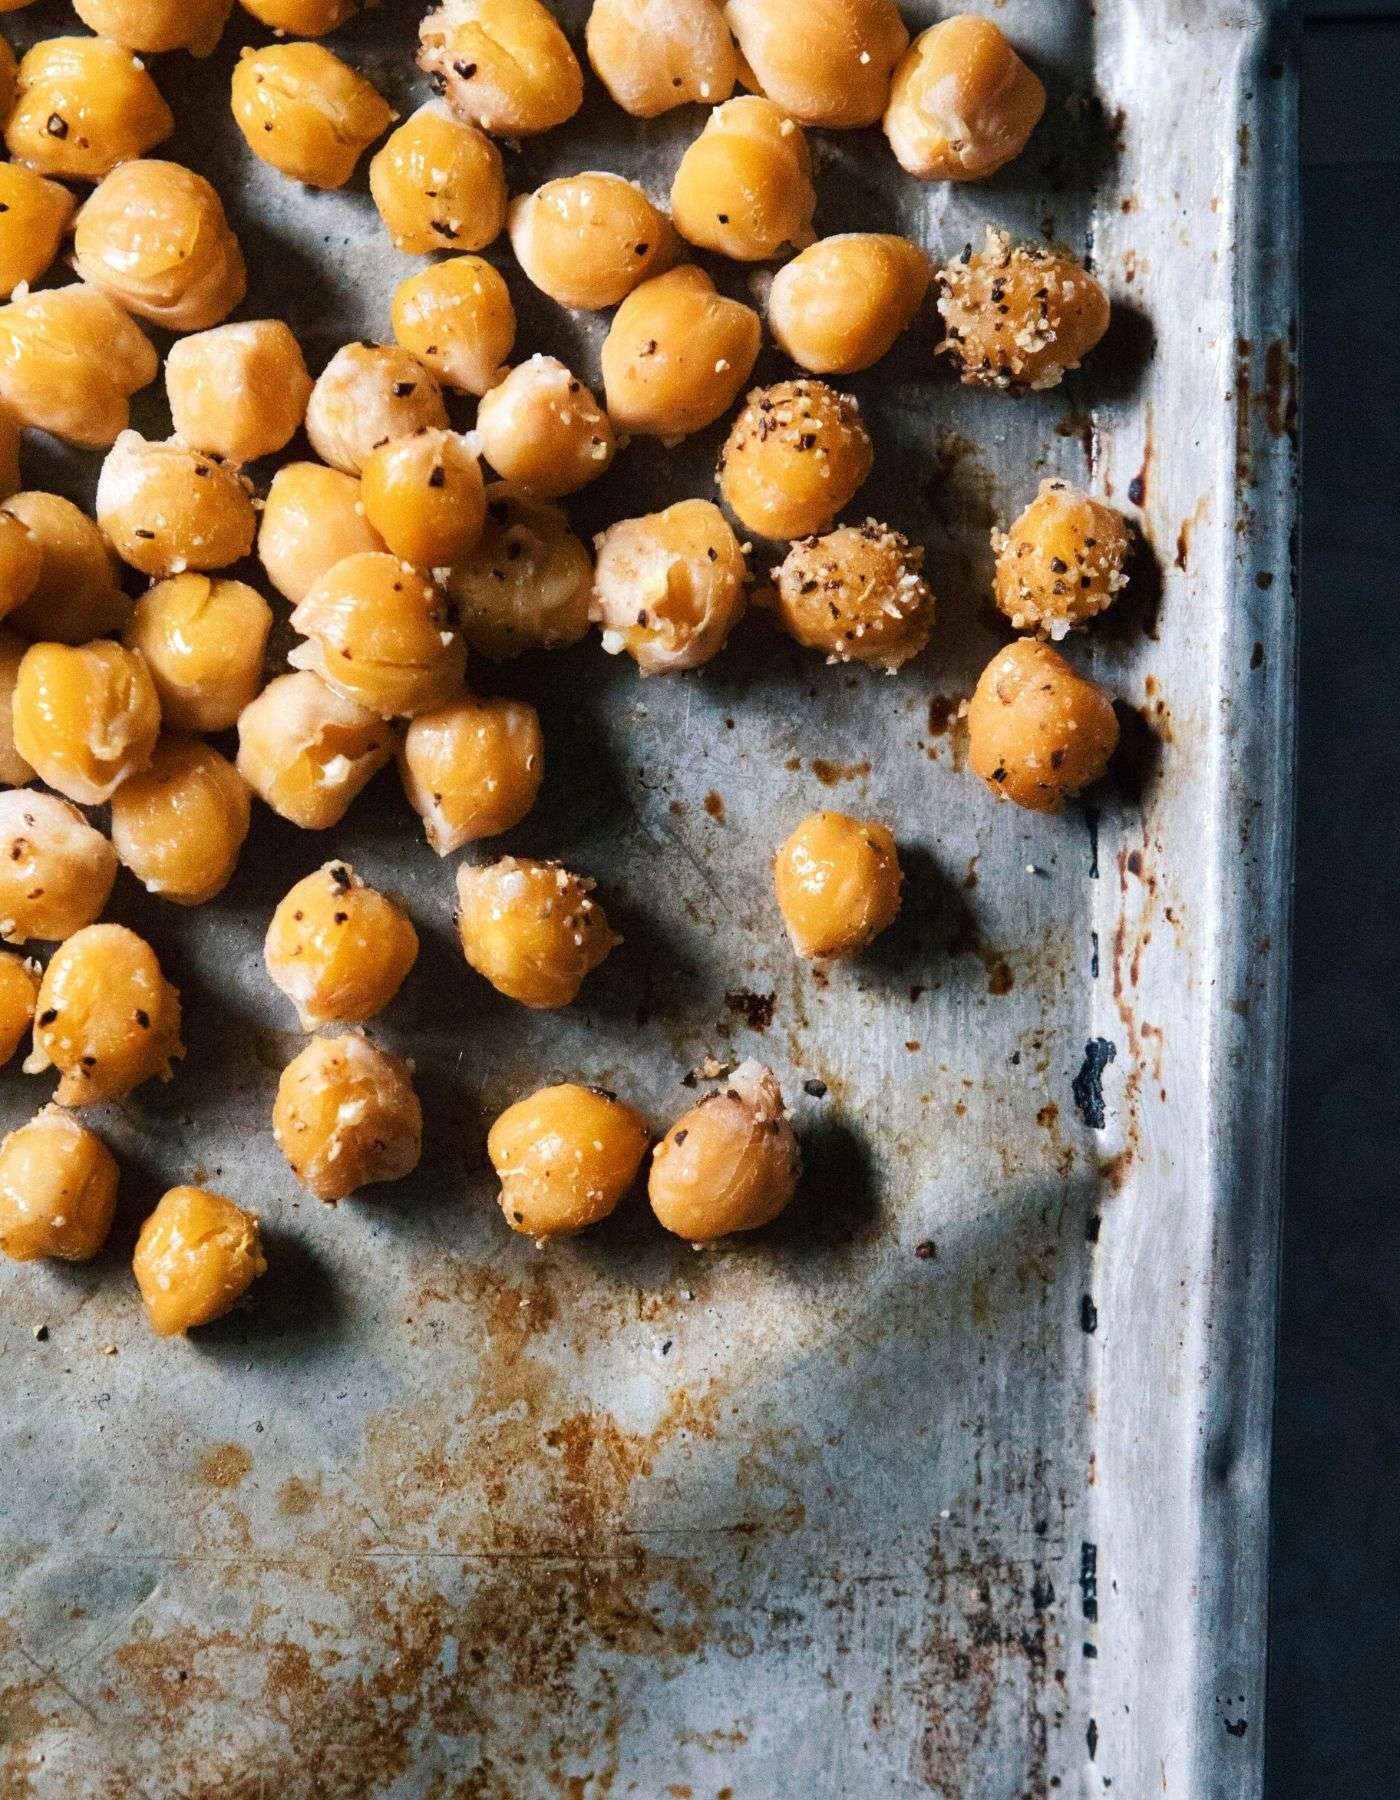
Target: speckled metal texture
953	1483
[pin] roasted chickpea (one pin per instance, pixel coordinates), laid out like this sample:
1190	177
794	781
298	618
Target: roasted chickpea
21	562
306	112
19	992
34	214
108	1019
1037	731
14	770
337	949
346	1116
831	65
58	1190
166	508
203	641
425	497
531	928
368	395
729	1164
84	104
677	355
856	594
457	319
308	751
744	187
56	871
526	585
587	240
179	824
1019	316
840	305
76	597
669	588
238	392
472	769
380	633
542	430
837	880
302	18
313	518
1063	561
505	65
196	1257
565	1157
154	25
962	103
793	458
652	55
439	184
86	717
70	360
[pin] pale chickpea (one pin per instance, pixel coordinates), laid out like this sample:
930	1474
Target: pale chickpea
107	1018
531	928
857	595
504	65
794	457
196	1257
85	717
307	113
1018	316
83	105
19	994
962	104
526	585
669	588
70	360
439	184
677	355
840	305
380	632
238	392
14	770
730	1164
346	1117
21	562
829	65
203	641
652	55
472	769
457	319
302	18
837	880
56	870
565	1156
368	395
542	430
1037	730
34	215
307	751
155	25
744	187
338	950
425	497
587	240
179	824
77	596
166	508
58	1190
1063	561
313	518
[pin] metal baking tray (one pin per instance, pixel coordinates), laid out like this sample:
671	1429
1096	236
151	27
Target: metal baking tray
953	1482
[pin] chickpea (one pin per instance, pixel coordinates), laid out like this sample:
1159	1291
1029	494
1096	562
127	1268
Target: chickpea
831	66
856	594
34	214
86	717
1037	731
368	395
238	392
14	770
793	458
962	103
652	55
837	880
154	25
21	562
307	751
587	240
302	18
84	104
56	870
339	950
380	633
472	769
76	597
70	360
196	1257
346	1117
1019	316
565	1157
19	993
744	187
669	588
167	508
729	1164
839	306
457	319
313	518
424	495
306	112
526	585
439	184
532	929
505	65
58	1190
203	641
179	824
677	355
108	1019
1063	561
542	430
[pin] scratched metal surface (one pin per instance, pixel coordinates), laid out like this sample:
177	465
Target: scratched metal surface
952	1483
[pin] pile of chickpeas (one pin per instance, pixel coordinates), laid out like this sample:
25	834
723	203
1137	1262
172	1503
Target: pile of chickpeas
407	547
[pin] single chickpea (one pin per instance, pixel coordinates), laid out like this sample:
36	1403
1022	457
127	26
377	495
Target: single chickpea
472	769
730	1164
962	104
531	928
70	360
108	1019
58	1190
238	392
1063	561
368	395
526	585
154	25
504	65
83	105
307	113
652	55
587	240
19	994
179	824
425	497
744	187
34	215
86	717
203	641
837	880
669	588
166	508
439	184
1019	316
380	633
1037	731
857	594
196	1257
565	1157
313	518
302	18
307	751
542	430
14	770
339	950
839	306
677	355
457	319
21	562
56	870
831	66
77	596
793	458
346	1117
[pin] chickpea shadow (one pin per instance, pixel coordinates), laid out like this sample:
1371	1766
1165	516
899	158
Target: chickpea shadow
1116	367
292	1315
1135	766
1135	613
838	1206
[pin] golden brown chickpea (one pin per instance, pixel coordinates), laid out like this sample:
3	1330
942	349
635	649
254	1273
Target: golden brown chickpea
84	104
14	770
368	395
19	993
472	769
21	562
85	717
677	355
380	633
338	950
856	594
587	240
439	184
1019	316
302	18
154	25
308	751
526	585
56	871
34	214
669	588
306	112
457	319
76	597
70	360
504	65
196	1257
1037	731
652	55
729	1164
108	1019
179	824
531	928
565	1157
542	430
744	187
831	65
58	1190
837	880
238	392
313	518
425	497
203	642
346	1117
840	305
1063	561
166	508
962	103
793	458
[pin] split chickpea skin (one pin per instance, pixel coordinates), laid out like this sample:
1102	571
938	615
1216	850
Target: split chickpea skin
82	106
196	1257
307	113
504	65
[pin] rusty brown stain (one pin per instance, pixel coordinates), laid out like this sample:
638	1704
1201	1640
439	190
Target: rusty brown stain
296	1497
1280	389
942	710
1000	979
1244	350
1183	545
830	774
714	806
223	1466
756	1010
1264	579
678	809
1048	1116
793	764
